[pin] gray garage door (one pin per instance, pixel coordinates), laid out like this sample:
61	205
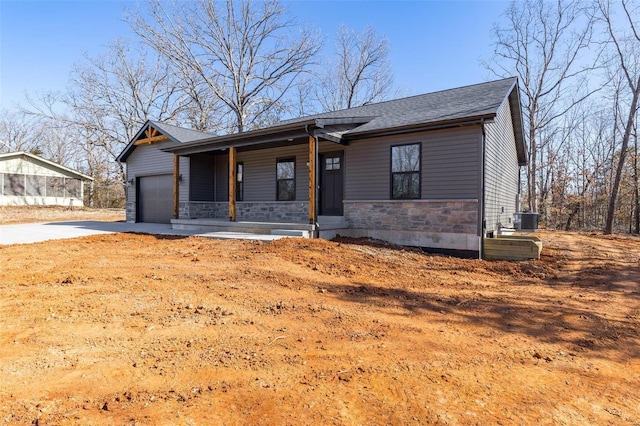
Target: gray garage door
155	202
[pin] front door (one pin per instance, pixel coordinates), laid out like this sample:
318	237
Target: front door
331	183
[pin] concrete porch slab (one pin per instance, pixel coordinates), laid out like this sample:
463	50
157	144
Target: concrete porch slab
243	227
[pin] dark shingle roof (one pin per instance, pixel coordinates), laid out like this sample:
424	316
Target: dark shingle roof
421	112
454	104
180	134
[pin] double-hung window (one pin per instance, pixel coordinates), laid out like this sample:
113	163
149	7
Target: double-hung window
405	171
286	179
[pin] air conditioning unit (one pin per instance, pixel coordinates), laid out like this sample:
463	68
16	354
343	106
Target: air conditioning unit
525	221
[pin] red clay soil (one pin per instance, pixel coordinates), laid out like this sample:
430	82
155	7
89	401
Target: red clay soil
136	329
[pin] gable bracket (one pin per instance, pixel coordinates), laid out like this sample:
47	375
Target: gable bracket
152	136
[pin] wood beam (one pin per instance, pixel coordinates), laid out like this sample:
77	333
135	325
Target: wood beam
150	140
232	184
312	180
176	186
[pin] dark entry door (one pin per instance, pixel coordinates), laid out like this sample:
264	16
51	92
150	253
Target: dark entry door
331	183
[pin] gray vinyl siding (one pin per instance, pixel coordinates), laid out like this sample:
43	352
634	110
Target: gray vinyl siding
450	166
222	177
260	172
148	160
202	177
209	177
184	185
501	171
210	174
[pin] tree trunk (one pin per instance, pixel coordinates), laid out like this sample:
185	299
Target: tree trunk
635	181
531	172
623	154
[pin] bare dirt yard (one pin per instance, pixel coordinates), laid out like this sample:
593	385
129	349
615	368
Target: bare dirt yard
31	214
136	329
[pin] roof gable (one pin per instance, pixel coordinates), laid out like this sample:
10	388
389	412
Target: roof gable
154	131
49	164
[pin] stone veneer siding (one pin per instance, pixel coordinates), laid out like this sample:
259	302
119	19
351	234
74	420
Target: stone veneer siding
414	215
273	211
131	212
204	210
450	224
261	211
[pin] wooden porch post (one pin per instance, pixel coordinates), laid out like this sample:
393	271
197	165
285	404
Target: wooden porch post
232	184
312	180
176	186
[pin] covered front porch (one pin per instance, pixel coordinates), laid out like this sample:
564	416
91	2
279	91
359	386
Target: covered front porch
277	183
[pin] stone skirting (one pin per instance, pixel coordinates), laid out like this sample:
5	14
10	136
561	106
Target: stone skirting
415	215
259	211
441	224
273	211
131	212
446	224
204	210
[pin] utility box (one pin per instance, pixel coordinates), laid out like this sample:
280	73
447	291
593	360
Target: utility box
525	221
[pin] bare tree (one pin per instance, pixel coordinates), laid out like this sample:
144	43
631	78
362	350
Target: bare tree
41	136
361	72
542	44
304	99
19	132
587	156
636	182
117	92
108	99
244	52
201	108
626	53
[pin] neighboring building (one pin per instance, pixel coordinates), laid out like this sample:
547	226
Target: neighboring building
439	170
26	179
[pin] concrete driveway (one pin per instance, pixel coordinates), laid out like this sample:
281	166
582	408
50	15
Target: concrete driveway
25	233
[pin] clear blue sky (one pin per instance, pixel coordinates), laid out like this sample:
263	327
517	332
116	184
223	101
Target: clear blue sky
434	44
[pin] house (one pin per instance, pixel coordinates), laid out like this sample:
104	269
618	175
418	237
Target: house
26	179
439	171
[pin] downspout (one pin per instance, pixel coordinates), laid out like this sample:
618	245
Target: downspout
483	220
316	227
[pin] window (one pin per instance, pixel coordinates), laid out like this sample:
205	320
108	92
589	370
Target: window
73	187
55	186
35	186
286	179
332	163
405	171
239	181
13	184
